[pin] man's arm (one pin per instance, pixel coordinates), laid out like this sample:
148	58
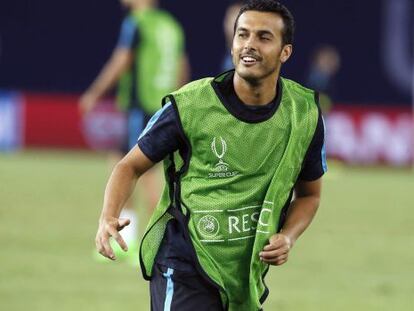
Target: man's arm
118	189
300	214
184	71
119	62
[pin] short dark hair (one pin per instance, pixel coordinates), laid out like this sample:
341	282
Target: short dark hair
273	7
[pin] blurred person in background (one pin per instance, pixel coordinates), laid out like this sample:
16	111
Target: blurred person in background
235	148
147	63
325	64
228	26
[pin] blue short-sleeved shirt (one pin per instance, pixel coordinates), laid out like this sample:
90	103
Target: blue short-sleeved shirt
129	35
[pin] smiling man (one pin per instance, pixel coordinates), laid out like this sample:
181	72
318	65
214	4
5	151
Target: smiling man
235	149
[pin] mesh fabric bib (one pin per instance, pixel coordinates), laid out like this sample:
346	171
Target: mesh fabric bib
233	187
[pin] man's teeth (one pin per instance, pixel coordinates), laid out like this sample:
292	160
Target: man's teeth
248	59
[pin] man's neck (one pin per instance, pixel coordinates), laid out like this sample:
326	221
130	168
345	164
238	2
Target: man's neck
143	5
258	94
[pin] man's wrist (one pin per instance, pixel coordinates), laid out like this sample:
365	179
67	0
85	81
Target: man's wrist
291	239
105	218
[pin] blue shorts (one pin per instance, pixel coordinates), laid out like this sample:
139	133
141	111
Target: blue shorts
176	290
137	119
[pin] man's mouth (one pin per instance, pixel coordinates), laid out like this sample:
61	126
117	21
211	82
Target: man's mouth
249	59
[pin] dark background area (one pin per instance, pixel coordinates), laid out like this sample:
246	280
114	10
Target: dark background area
60	46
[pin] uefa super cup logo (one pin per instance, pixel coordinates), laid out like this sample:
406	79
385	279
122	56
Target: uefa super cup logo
208	226
221	166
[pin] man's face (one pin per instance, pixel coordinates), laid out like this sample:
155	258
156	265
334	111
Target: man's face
126	3
257	45
130	3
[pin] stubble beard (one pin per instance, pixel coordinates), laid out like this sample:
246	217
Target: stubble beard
256	79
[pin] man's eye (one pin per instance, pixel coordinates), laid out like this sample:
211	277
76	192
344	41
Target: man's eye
242	35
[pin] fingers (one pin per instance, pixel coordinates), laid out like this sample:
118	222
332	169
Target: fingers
87	102
104	247
277	251
274	253
99	246
277	257
110	229
274	259
274	244
277	261
83	105
277	241
118	238
122	223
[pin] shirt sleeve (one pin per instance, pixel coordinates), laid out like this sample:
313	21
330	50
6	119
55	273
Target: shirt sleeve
314	165
129	36
162	134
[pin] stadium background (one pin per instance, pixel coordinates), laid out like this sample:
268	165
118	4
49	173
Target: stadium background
356	256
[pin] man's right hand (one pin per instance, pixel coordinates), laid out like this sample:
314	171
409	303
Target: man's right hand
87	102
110	227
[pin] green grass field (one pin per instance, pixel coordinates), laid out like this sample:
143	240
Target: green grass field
358	254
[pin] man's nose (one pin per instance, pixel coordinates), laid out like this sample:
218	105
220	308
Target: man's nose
250	44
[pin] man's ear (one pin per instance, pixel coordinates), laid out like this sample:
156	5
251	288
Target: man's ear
286	52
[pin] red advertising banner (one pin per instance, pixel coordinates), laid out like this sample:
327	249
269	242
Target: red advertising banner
356	134
371	134
52	121
55	121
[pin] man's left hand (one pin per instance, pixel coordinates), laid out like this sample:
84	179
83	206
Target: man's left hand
277	251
